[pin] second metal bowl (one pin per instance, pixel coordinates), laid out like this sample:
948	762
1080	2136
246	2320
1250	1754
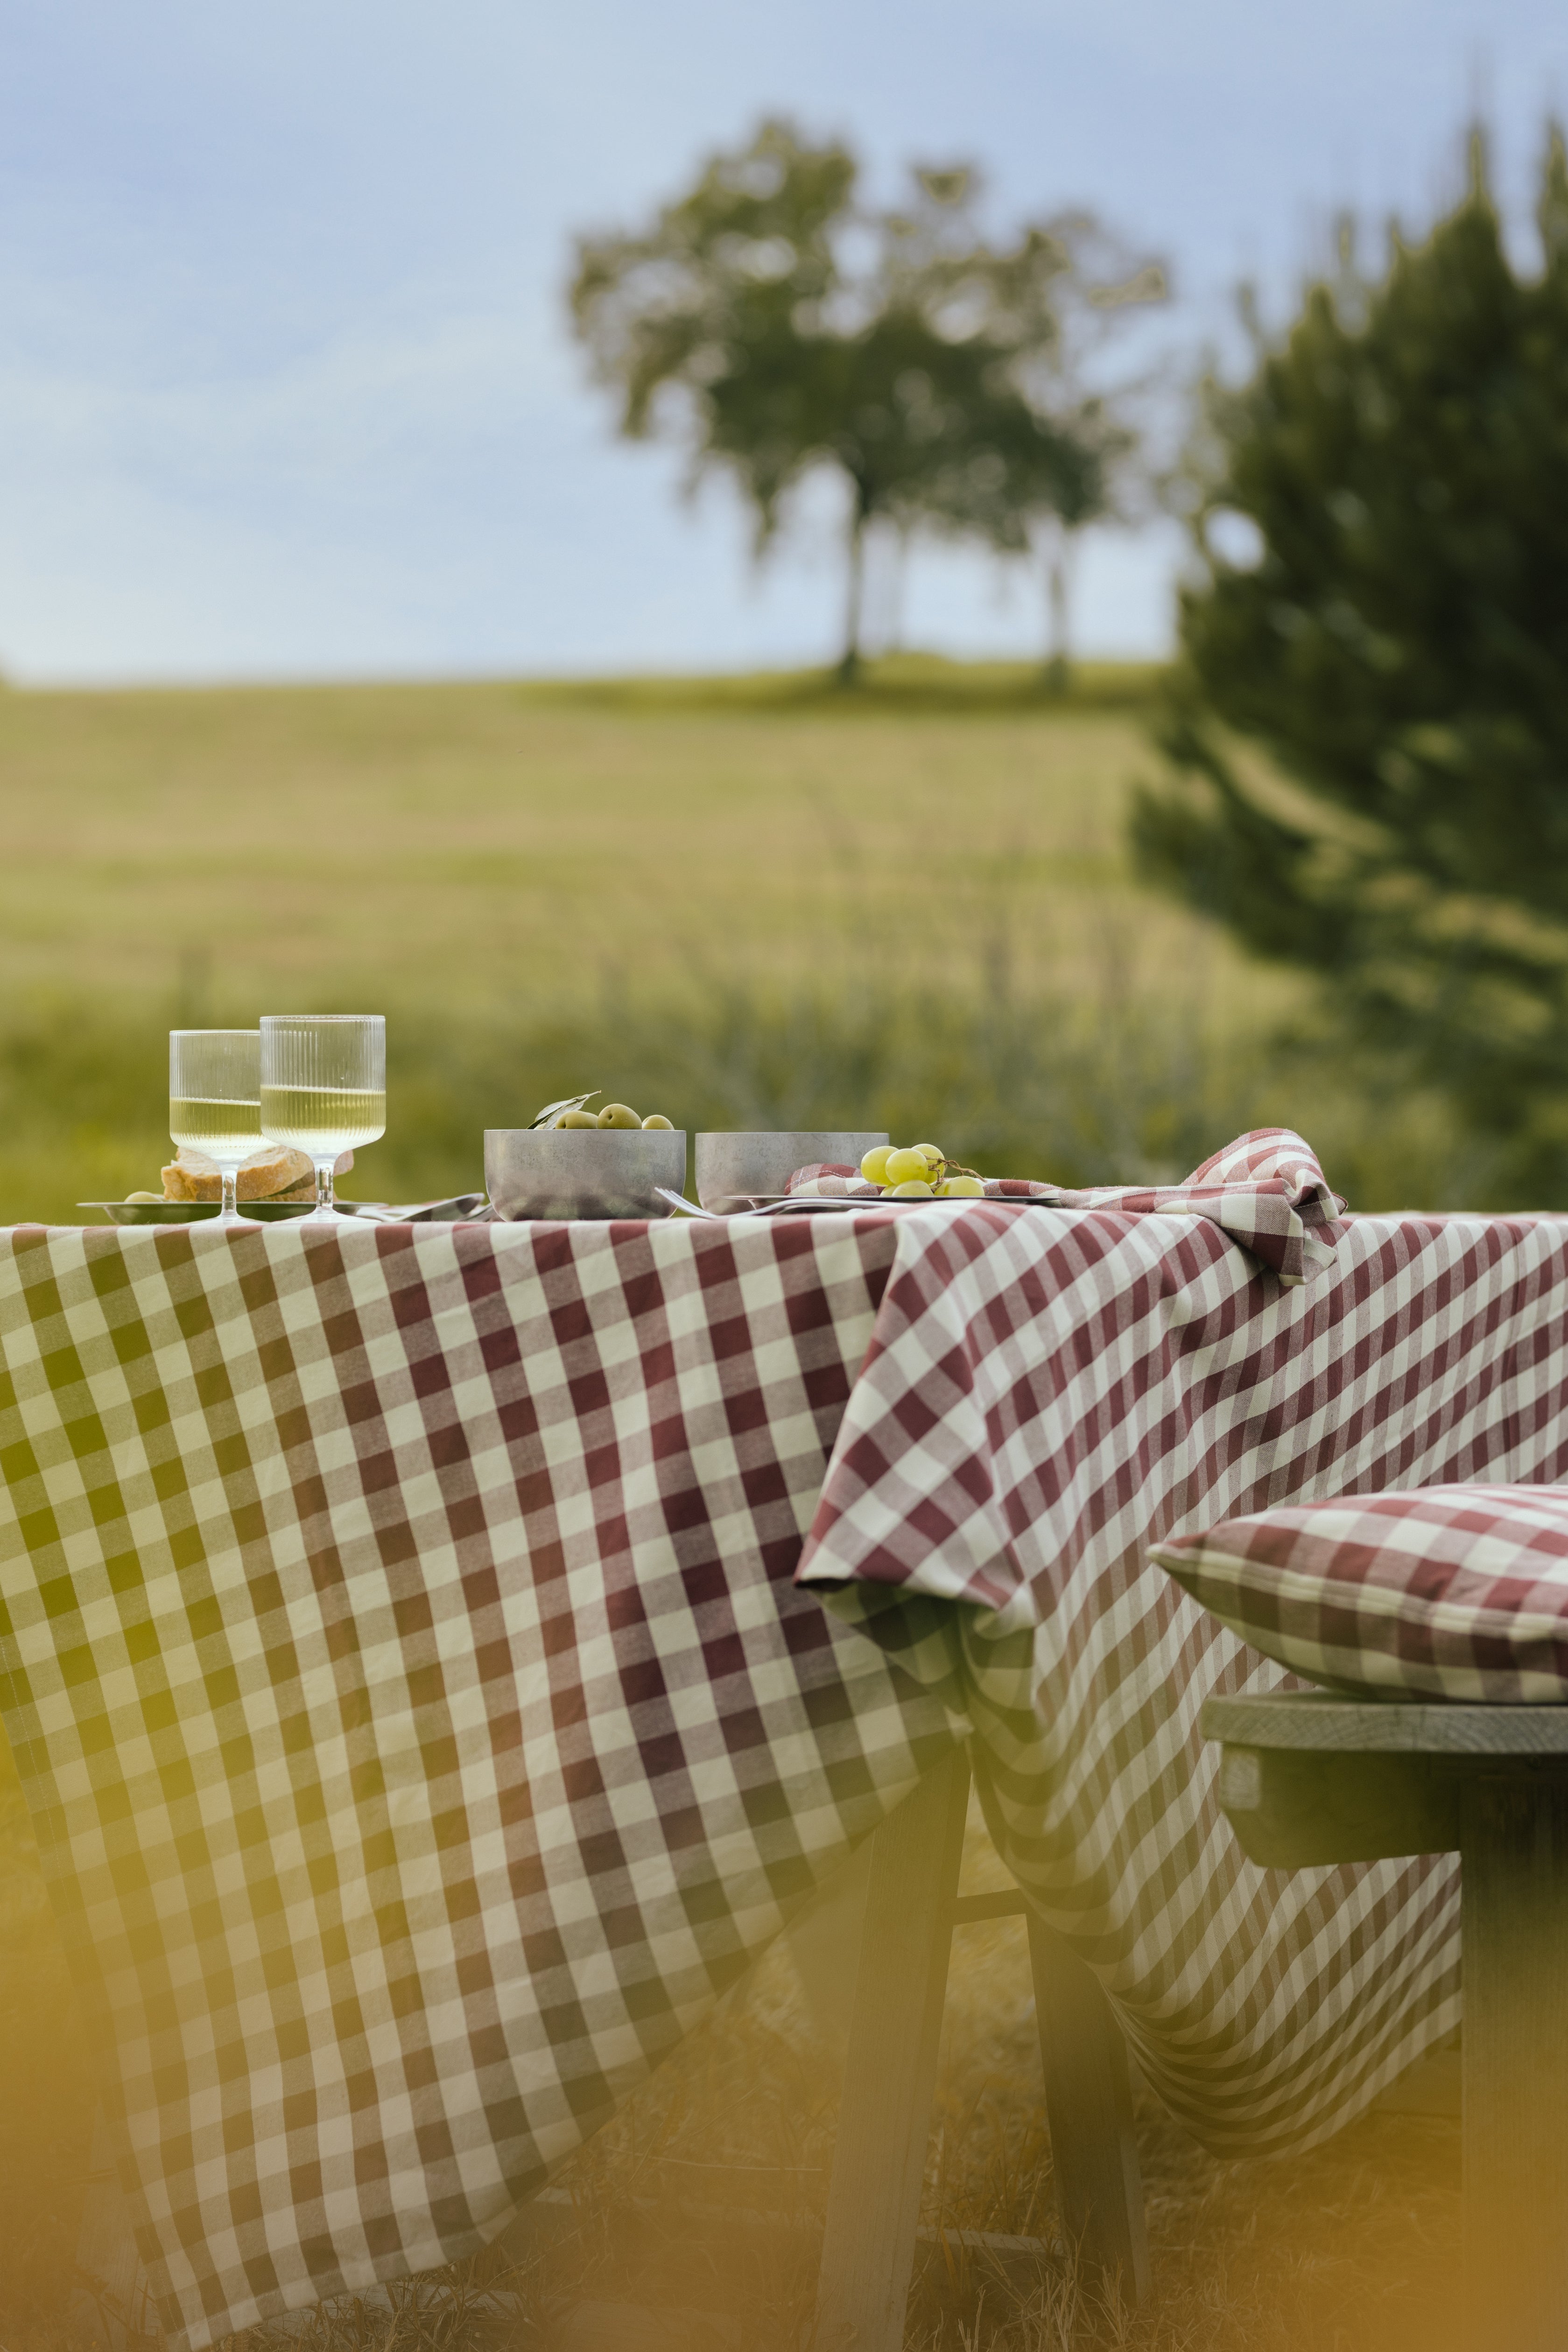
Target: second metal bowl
593	1171
736	1167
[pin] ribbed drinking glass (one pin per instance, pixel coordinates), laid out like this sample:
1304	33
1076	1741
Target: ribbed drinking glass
215	1087
323	1090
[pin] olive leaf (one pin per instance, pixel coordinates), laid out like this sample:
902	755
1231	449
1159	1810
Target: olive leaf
568	1102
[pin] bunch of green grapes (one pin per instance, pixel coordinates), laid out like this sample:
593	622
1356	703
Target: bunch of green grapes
919	1171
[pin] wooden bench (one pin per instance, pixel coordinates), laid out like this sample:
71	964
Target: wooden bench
1308	1779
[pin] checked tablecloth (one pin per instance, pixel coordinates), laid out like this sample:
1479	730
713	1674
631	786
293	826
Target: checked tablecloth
422	1722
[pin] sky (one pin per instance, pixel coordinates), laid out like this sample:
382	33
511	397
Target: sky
286	385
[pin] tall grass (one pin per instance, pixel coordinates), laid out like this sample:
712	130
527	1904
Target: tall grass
1042	1079
1042	1083
1122	1082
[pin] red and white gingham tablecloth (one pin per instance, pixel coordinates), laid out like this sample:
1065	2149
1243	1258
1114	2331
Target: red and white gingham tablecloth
402	1650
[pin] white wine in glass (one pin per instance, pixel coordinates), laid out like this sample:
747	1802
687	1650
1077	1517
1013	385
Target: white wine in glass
215	1101
323	1090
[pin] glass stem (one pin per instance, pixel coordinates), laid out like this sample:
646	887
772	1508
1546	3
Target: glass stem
324	1204
229	1213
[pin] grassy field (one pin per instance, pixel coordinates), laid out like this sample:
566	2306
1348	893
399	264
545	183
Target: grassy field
502	847
659	890
748	902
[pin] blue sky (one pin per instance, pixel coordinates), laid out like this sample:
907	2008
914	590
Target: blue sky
285	388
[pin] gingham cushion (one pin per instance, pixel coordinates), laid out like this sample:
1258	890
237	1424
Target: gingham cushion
1442	1592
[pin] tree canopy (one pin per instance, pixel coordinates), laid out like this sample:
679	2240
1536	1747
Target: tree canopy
778	326
1380	607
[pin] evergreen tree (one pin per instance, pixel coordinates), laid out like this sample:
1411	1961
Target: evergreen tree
1394	640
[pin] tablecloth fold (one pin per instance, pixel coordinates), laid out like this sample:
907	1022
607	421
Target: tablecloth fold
1265	1191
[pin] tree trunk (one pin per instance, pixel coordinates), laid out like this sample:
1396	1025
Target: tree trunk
1058	599
849	661
898	574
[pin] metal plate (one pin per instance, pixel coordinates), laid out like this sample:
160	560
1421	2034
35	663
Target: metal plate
193	1212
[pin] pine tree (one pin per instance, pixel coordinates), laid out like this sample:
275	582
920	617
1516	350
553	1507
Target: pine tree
1395	642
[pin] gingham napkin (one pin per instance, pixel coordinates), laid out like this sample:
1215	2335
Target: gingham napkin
1266	1190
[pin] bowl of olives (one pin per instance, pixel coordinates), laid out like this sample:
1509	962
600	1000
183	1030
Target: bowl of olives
575	1162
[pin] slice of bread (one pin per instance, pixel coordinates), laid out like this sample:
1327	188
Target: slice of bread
274	1173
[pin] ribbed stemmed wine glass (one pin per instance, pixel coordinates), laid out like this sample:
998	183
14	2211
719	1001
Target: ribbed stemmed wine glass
324	1090
215	1101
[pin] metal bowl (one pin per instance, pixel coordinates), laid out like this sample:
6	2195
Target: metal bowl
738	1167
583	1172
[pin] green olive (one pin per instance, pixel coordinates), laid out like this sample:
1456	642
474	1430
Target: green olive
617	1115
577	1119
655	1120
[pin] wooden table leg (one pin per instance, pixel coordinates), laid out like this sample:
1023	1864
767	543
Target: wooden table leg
1514	1843
901	1981
1089	2102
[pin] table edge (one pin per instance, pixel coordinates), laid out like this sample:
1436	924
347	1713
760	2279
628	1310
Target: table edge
1319	1721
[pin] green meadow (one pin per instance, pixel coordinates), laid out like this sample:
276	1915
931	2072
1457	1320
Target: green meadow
738	902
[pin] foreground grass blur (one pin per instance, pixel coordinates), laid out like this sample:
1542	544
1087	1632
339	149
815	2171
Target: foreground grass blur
46	2094
1353	2246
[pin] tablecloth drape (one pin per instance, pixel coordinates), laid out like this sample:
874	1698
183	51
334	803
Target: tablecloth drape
1044	1400
422	1722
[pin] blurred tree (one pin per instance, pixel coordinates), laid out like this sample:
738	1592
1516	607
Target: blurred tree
1052	301
1055	455
1381	518
780	327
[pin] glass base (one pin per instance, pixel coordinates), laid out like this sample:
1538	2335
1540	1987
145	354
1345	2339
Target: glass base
327	1212
229	1214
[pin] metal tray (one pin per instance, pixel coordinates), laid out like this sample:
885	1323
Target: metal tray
193	1212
